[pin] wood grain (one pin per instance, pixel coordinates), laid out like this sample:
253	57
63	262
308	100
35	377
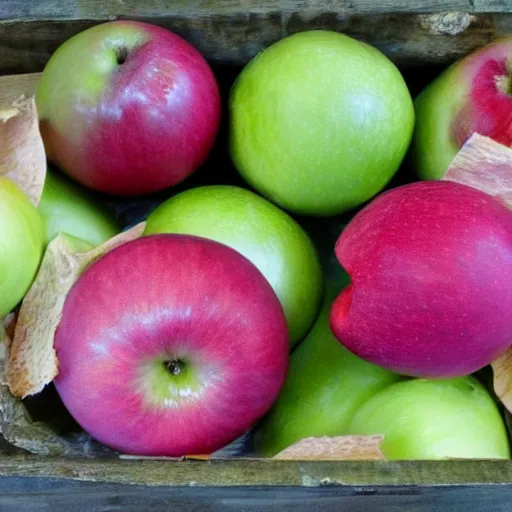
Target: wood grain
104	9
411	33
57	495
257	472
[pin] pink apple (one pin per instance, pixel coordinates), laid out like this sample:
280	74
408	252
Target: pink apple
128	108
170	345
431	271
473	95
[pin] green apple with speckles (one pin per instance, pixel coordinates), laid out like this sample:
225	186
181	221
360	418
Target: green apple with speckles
326	383
260	231
21	244
434	419
320	122
68	208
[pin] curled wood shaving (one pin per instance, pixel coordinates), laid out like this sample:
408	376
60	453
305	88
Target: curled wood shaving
484	164
334	448
502	369
32	361
22	154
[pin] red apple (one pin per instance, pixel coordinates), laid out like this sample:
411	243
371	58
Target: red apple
472	95
128	108
170	345
431	271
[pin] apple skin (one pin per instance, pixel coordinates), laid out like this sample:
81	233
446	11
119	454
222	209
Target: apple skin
470	96
21	244
170	298
260	231
327	152
68	208
128	108
431	290
325	386
425	419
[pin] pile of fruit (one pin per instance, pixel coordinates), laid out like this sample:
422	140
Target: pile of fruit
311	300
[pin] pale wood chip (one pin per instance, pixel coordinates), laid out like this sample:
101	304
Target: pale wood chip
32	362
502	369
22	153
334	448
484	164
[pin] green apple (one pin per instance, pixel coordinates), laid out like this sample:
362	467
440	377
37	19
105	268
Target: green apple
21	244
68	208
320	122
434	419
326	383
264	234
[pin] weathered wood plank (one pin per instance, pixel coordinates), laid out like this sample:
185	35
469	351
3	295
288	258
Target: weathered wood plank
408	39
269	473
103	9
57	495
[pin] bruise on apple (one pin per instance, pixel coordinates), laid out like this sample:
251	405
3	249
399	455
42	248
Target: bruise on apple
484	164
32	361
353	447
22	154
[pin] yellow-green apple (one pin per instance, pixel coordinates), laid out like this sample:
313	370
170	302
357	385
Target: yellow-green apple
128	108
434	419
21	244
263	233
68	208
431	280
170	345
472	95
325	386
320	122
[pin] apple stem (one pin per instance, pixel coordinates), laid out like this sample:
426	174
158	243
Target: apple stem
121	55
503	84
174	366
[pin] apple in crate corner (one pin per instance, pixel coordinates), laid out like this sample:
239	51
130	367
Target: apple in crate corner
128	108
170	345
21	244
431	280
434	419
472	95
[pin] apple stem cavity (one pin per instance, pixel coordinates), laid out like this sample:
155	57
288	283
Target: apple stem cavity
175	366
121	55
503	84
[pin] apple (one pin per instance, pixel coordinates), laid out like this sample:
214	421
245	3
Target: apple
326	383
170	345
472	95
128	108
431	280
325	386
434	419
264	234
66	207
320	122
21	244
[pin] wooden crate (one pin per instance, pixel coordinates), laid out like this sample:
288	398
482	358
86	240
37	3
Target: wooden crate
416	34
